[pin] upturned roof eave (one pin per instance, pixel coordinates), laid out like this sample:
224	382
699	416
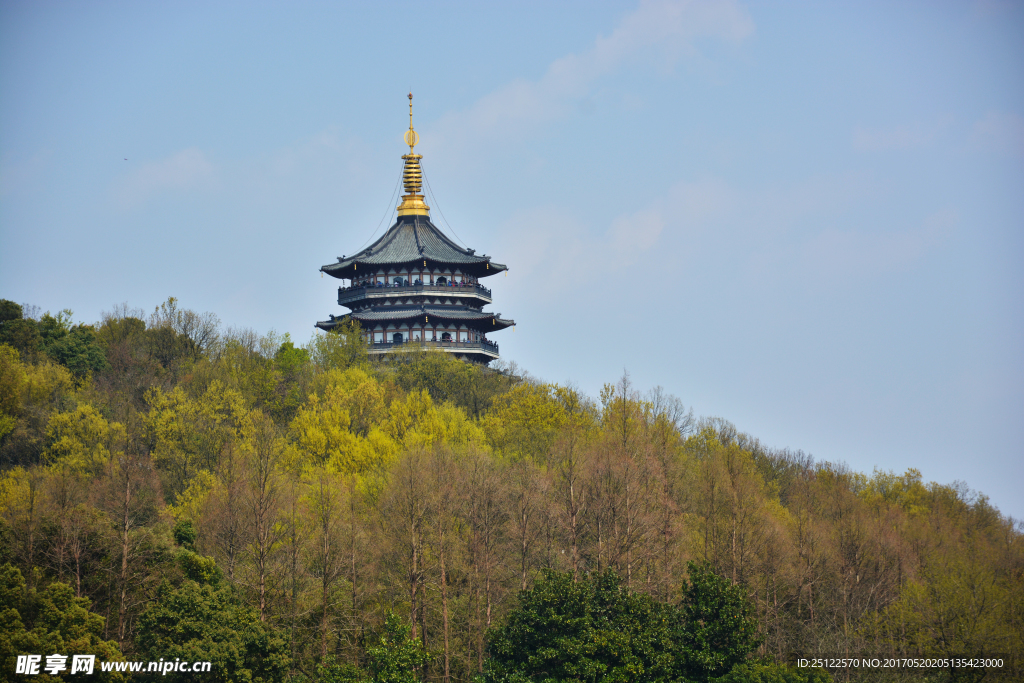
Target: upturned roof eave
429	246
412	314
339	269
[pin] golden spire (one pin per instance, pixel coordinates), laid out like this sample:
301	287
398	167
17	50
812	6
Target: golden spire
412	201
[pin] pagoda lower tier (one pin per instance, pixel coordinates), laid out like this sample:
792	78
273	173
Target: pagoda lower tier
457	329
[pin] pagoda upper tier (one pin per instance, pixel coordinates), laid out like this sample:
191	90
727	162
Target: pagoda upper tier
416	286
413	239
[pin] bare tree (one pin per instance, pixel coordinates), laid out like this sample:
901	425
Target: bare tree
225	510
404	508
527	492
263	492
485	507
441	475
201	329
129	499
570	457
325	558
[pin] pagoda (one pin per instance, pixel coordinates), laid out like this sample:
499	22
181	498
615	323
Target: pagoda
414	286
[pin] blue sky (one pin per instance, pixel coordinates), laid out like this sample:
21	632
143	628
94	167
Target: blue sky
803	217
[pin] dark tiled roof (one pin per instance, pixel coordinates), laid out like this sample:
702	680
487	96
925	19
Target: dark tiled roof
414	238
396	313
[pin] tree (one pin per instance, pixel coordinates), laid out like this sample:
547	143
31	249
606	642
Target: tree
325	559
51	621
200	329
524	422
718	630
589	630
770	672
594	629
19	332
485	495
264	450
207	622
12	378
397	655
79	351
341	348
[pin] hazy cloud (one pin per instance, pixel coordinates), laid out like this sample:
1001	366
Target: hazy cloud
769	230
186	170
917	134
17	176
836	254
665	27
1000	132
802	229
546	238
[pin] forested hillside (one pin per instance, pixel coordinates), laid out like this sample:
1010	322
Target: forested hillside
285	500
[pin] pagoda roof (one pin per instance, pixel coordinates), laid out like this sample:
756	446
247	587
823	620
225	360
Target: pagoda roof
414	238
399	313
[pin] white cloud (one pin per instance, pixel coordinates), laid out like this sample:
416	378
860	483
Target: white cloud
665	27
186	170
1000	132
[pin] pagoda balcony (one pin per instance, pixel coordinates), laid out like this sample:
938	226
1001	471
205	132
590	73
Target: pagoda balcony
347	295
481	347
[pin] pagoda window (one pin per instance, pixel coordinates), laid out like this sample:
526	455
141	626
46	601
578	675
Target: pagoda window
399	281
416	335
441	281
397	338
446	336
378	336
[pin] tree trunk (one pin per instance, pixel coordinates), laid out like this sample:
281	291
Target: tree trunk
125	526
444	608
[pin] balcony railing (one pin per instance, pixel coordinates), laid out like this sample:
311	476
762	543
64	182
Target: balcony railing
351	293
483	345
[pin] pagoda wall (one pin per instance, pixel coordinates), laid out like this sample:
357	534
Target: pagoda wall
426	275
381	333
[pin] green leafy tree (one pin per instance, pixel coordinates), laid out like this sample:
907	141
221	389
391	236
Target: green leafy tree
185	534
341	348
17	331
50	621
588	630
293	365
206	622
718	629
290	360
76	347
396	657
9	311
12	378
770	672
330	670
596	630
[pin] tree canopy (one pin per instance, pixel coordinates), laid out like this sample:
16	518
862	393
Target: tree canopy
301	511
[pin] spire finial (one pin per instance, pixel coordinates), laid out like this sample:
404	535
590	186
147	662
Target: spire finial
412	201
411	137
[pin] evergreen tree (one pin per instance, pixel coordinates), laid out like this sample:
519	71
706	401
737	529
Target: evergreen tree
206	622
50	621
